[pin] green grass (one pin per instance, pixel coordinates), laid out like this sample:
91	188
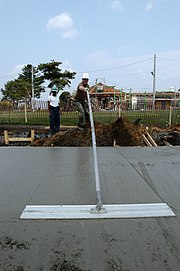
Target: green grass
158	117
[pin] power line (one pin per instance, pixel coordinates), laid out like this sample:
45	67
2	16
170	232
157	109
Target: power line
177	61
119	67
172	64
133	74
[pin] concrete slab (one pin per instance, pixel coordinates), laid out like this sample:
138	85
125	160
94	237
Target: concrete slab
65	176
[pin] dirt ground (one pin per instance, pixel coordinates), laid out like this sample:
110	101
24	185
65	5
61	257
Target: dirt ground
119	133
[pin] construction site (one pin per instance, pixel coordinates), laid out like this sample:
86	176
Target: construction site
50	185
90	135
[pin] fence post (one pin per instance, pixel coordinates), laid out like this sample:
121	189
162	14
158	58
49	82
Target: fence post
170	115
119	110
25	112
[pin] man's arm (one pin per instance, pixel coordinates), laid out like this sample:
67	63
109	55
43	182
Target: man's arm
82	88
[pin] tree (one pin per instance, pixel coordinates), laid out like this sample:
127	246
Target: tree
34	78
16	89
21	88
55	76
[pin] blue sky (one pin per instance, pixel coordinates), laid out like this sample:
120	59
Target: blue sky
113	40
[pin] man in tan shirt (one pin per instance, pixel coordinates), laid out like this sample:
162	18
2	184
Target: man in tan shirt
80	101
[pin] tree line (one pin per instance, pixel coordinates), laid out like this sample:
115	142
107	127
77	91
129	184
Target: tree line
50	73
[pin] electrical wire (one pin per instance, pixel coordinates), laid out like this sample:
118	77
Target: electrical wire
119	67
147	81
170	65
168	59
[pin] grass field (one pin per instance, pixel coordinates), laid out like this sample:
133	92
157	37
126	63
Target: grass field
157	117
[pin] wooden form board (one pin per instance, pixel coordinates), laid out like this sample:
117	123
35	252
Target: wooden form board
8	139
148	139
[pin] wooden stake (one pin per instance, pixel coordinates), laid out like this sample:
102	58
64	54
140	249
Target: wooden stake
6	137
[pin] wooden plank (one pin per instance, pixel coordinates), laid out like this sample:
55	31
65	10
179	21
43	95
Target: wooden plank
151	140
13	139
8	139
146	140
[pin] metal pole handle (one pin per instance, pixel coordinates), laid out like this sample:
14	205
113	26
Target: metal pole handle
98	189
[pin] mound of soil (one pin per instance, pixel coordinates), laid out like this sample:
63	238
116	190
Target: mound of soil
120	133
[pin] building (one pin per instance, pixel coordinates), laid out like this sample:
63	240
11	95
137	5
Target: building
107	97
110	98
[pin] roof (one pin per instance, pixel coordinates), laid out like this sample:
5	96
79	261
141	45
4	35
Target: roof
101	88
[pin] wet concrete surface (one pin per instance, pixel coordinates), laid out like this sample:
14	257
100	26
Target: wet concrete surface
63	175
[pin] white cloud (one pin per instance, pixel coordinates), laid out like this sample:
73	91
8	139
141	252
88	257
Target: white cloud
64	23
116	5
149	6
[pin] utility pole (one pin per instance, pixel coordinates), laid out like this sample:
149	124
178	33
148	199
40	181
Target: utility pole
32	82
154	83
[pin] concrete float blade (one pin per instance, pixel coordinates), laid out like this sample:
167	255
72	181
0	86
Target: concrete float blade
84	211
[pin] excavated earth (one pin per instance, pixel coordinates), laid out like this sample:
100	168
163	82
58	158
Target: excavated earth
119	133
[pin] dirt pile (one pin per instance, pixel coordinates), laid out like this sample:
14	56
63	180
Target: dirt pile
120	132
166	136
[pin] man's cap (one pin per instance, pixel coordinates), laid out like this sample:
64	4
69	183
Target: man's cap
54	88
85	76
